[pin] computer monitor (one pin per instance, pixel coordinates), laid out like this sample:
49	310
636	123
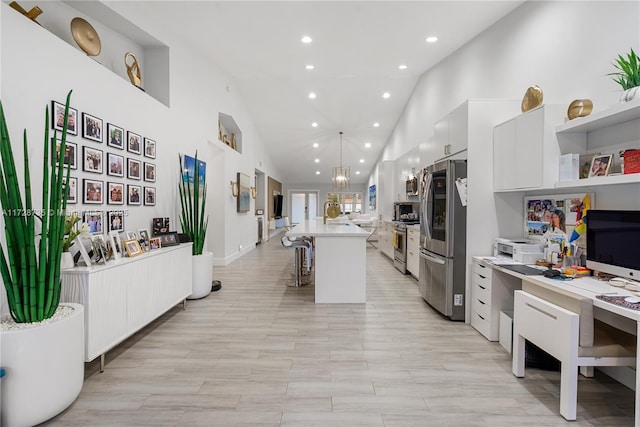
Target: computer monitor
613	242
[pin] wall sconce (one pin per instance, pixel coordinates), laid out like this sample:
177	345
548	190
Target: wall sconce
253	192
234	189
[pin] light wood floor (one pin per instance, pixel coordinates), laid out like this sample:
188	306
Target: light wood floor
259	353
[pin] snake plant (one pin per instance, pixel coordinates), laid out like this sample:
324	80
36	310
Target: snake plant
193	204
628	74
32	276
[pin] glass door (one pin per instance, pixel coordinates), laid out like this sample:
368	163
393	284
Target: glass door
304	205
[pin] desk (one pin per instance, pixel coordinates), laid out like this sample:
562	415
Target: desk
506	281
340	260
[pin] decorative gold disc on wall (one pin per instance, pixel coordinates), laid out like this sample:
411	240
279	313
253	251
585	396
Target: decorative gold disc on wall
532	98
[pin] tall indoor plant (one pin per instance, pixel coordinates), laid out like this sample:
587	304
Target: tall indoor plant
194	221
30	268
628	76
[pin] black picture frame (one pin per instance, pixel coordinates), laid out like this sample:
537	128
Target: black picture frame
150	148
70	155
134	169
134	143
92	192
115	165
149	172
95	221
115	193
92	128
169	239
92	160
149	196
134	195
115	136
116	220
57	118
72	191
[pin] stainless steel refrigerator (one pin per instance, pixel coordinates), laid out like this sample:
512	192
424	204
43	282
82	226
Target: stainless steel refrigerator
443	235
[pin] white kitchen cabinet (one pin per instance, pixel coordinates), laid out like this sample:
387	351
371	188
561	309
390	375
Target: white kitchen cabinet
450	134
413	250
526	151
385	238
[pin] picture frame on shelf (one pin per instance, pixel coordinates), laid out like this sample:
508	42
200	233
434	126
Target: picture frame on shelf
133	195
92	127
95	221
154	243
132	235
143	234
72	190
116	221
70	153
160	225
92	192
57	118
115	136
79	250
149	148
100	251
115	165
134	169
134	143
149	172
169	239
116	244
91	160
132	246
115	193
600	165
149	196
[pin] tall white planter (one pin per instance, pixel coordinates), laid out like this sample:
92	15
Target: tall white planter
45	369
630	94
202	275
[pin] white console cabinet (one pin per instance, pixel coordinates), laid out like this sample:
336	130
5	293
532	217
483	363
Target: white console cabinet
125	295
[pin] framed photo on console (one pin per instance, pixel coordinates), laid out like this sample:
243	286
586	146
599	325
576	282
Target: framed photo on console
132	246
600	165
169	239
91	127
57	118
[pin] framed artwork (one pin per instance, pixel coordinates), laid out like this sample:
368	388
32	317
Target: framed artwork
70	153
372	197
91	127
149	196
134	143
115	193
115	165
169	239
154	243
72	191
133	169
115	136
244	193
116	220
149	172
149	148
132	246
143	234
600	165
133	194
188	166
92	192
116	244
57	118
95	221
91	160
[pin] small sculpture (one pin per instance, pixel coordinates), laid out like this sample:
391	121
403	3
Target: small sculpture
532	98
579	108
133	70
32	14
86	36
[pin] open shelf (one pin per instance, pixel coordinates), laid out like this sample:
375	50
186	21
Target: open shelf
632	178
229	132
613	116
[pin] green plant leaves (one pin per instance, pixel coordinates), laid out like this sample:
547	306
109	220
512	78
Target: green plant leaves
628	74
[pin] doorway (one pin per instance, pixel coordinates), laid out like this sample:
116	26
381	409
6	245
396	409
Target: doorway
304	205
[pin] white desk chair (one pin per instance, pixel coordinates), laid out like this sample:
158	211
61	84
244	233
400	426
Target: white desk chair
570	337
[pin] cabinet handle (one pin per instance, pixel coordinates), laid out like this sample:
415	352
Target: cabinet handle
481	266
482	302
481	287
481	276
480	316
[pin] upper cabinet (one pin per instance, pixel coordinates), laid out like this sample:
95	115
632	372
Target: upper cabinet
450	134
525	150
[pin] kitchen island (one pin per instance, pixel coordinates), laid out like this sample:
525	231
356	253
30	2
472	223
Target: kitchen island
340	253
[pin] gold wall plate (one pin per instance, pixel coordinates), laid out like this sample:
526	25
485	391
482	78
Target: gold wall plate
86	36
532	98
579	108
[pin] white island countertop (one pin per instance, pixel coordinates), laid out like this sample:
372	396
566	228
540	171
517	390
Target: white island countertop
316	227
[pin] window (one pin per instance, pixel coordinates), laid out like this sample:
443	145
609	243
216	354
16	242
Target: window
349	202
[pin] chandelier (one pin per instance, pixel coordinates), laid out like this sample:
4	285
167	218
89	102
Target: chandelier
341	174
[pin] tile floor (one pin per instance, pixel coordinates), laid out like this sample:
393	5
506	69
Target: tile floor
259	353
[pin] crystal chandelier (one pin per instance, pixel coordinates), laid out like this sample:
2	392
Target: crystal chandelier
341	174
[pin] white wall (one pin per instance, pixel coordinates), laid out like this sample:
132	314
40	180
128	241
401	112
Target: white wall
566	48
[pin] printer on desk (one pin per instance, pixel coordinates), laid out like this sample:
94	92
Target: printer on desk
520	250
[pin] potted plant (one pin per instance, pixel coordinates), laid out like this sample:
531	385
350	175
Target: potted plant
628	76
39	326
193	198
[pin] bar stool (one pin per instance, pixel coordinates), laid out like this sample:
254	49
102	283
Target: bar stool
303	258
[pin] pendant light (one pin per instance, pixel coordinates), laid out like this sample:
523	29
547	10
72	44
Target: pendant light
341	174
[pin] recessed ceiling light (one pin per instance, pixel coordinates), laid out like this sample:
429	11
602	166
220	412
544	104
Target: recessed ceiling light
314	124
317	160
317	172
376	124
402	67
306	39
315	145
357	172
312	95
432	39
361	160
386	95
309	67
367	145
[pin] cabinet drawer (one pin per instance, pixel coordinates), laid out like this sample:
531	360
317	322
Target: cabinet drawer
481	279
480	324
482	308
482	270
480	291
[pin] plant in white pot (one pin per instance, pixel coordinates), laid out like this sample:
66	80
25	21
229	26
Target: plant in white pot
194	221
628	76
42	340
